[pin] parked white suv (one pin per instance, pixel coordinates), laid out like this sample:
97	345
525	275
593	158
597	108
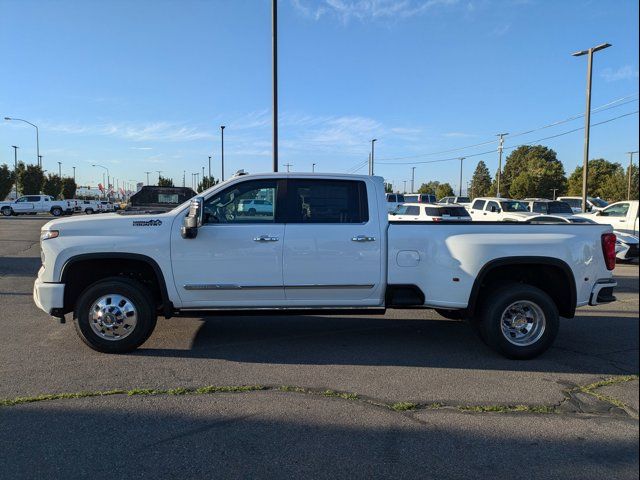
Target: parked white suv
255	206
490	209
593	204
429	213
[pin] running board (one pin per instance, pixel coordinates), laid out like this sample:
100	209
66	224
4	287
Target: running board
278	311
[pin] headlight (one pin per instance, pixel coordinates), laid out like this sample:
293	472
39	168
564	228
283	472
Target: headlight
48	234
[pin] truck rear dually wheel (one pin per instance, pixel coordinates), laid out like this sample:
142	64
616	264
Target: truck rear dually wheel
115	315
520	321
56	211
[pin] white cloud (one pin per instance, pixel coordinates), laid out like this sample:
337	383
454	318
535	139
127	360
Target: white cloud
156	131
626	72
366	10
458	135
142	148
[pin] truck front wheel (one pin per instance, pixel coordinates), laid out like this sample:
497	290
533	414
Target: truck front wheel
56	211
115	315
7	211
519	321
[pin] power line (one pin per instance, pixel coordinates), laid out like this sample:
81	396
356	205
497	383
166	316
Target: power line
607	106
511	147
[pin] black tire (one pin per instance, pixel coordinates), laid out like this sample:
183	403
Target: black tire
7	211
252	211
493	308
452	314
137	294
89	211
56	211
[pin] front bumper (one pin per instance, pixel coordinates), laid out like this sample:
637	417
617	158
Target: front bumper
48	297
602	292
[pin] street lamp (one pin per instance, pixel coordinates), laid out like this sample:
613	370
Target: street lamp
159	172
500	147
106	191
15	168
413	177
460	189
373	141
587	117
37	136
147	177
60	169
313	168
630	165
222	127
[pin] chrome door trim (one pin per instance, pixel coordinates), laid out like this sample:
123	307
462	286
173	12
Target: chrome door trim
233	286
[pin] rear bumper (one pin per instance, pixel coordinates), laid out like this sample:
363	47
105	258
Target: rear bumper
48	297
602	292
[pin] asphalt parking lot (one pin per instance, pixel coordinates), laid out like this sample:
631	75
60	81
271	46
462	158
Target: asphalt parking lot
407	395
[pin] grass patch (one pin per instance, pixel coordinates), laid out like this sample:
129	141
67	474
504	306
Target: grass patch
291	388
345	395
9	402
403	406
507	408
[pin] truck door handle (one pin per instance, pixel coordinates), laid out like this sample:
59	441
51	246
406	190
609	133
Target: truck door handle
265	238
363	238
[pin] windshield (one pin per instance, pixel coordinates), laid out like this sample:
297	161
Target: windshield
598	202
581	220
514	206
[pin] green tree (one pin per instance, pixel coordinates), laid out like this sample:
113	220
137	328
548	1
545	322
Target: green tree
600	173
207	182
481	180
444	190
531	171
30	179
69	187
429	187
388	188
6	181
165	182
52	186
635	184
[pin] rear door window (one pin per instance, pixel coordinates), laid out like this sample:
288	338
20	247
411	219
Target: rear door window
327	201
559	207
478	205
413	210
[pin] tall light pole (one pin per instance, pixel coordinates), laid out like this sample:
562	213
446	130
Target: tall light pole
108	178
554	190
159	172
460	190
587	118
37	136
74	174
40	160
222	127
630	166
203	184
274	70
209	171
313	168
404	190
500	147
147	177
15	168
413	176
60	169
288	165
373	141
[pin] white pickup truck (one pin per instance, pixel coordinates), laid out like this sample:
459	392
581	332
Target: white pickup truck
327	247
622	216
32	204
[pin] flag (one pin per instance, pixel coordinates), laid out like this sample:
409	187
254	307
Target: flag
101	187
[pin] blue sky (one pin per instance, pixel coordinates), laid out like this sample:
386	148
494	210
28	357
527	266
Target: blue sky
144	85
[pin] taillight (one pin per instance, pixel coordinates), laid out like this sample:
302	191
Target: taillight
436	219
609	250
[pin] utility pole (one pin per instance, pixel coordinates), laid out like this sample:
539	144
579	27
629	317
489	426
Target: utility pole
460	190
40	161
222	127
554	190
630	167
288	165
500	147
159	172
74	174
373	141
60	169
209	181
147	177
313	168
184	175
203	184
15	168
274	69
587	118
404	190
413	176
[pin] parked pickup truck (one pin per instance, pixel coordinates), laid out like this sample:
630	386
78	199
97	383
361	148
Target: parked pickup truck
621	216
32	204
325	248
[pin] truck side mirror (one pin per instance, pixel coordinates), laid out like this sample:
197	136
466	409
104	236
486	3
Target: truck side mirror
193	220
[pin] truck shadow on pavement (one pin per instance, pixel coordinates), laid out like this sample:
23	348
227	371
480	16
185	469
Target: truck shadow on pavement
594	345
284	437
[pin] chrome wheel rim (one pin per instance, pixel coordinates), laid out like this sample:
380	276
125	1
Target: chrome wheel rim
523	323
113	317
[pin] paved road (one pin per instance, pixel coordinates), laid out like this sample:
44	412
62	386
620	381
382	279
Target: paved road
405	395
